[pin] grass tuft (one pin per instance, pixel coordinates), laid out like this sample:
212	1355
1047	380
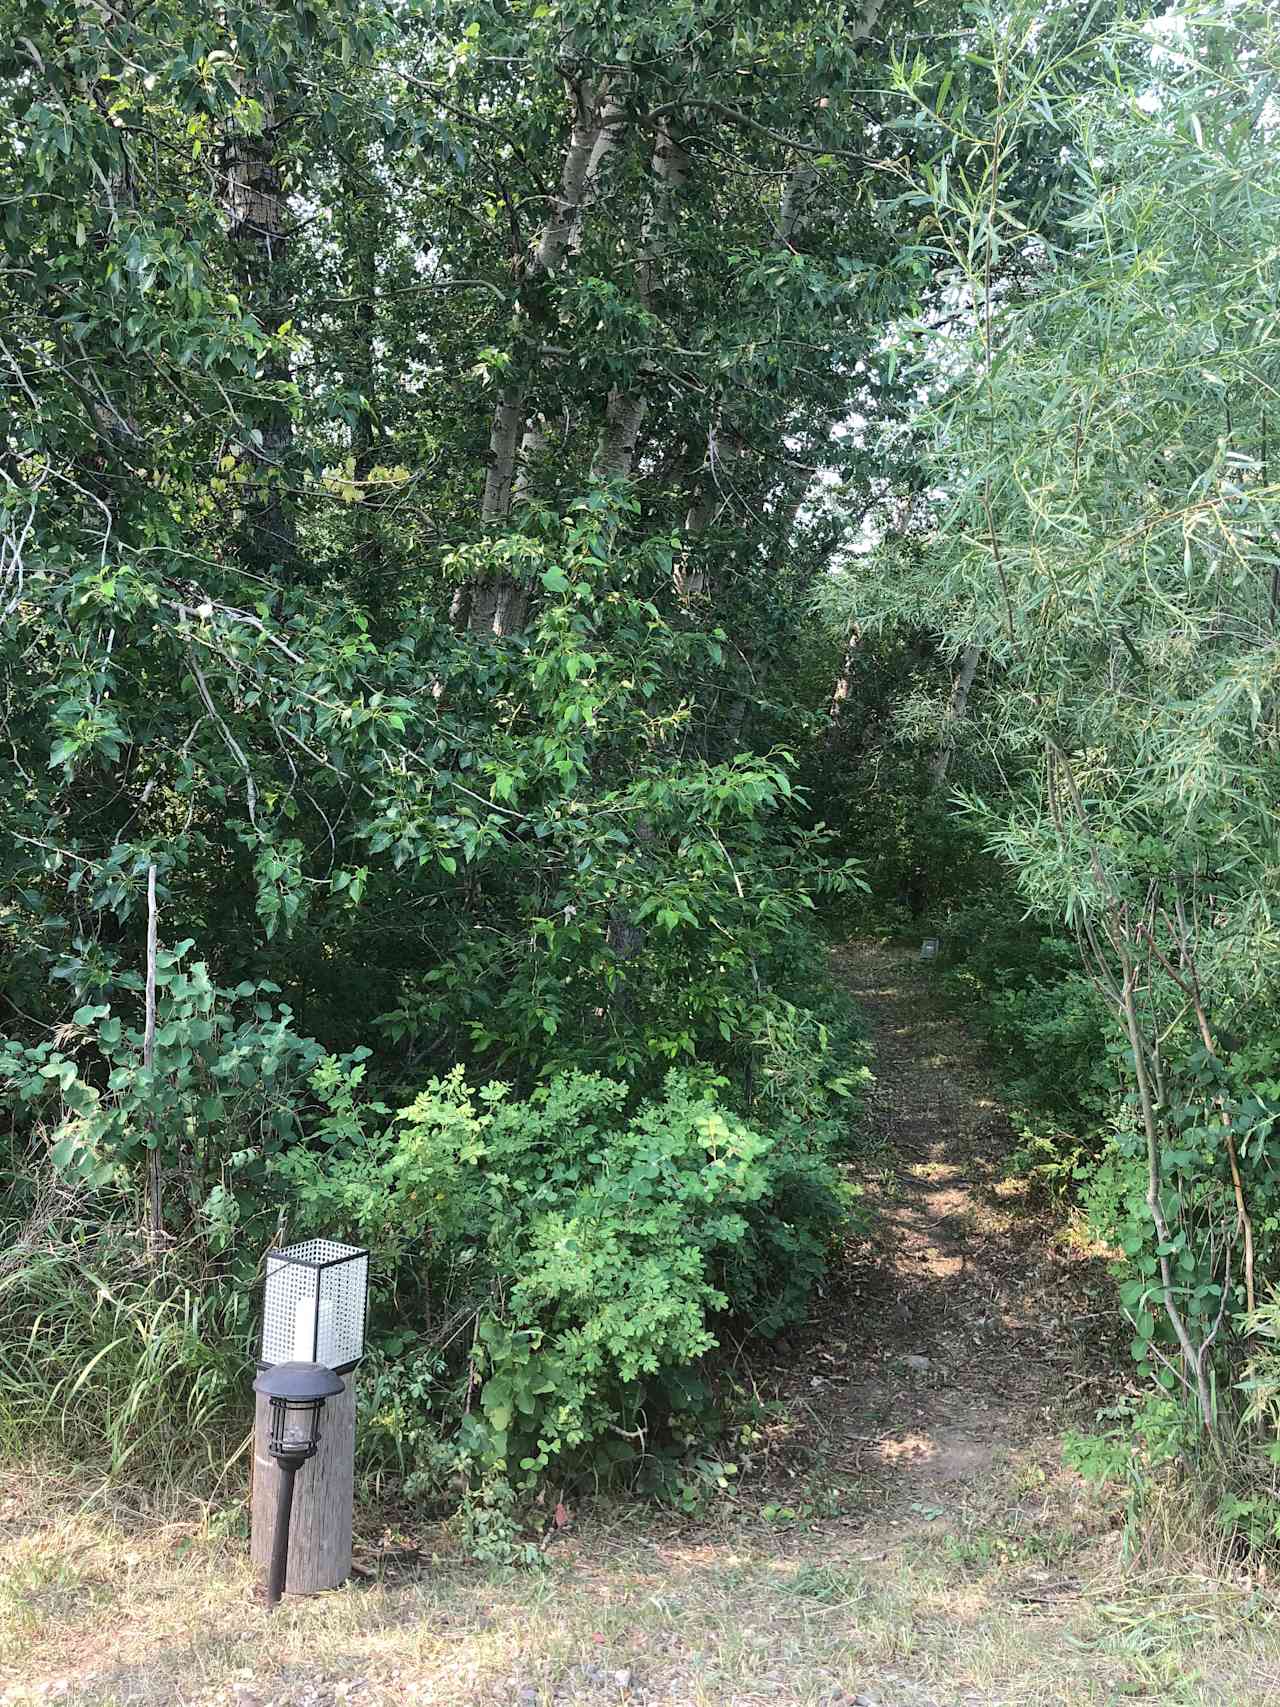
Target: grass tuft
127	1360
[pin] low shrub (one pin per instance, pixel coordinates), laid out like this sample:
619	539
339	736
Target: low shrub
551	1268
231	1084
1056	1049
592	1253
1183	1493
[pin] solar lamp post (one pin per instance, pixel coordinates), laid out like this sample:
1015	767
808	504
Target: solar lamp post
296	1395
314	1314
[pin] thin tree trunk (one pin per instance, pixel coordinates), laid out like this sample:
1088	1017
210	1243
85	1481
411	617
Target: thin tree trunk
711	492
957	707
511	601
113	417
361	239
795	207
790	512
1190	987
257	213
797	201
492	606
508	428
533	446
598	125
624	415
844	681
155	1177
1155	1203
1122	995
706	499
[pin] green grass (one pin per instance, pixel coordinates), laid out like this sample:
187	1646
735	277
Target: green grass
102	1347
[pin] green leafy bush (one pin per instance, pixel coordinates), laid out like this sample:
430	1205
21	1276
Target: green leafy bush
1107	545
230	1085
551	1269
1059	1059
593	1251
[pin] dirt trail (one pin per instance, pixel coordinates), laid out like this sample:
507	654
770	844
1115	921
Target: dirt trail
964	1316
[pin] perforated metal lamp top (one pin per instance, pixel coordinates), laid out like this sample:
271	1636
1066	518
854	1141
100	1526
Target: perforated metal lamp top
314	1304
319	1253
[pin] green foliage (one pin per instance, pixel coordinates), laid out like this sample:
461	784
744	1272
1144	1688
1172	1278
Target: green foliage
593	1250
1098	433
230	1086
1141	1438
1061	1068
489	1524
238	651
867	775
407	1406
1177	1486
442	754
1262	1376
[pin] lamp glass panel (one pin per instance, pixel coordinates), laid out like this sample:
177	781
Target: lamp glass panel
299	1431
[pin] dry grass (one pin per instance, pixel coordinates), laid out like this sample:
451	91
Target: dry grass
1008	1589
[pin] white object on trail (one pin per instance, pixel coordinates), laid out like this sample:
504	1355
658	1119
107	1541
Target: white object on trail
929	948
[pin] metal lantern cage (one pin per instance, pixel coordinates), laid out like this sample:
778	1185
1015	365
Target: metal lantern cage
315	1305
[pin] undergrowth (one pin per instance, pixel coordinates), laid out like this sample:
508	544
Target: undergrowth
553	1273
130	1359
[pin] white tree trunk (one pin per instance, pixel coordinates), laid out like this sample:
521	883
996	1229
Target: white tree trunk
844	681
597	127
957	706
797	201
801	186
508	424
624	414
476	603
497	606
713	491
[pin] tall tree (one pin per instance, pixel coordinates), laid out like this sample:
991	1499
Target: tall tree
1108	539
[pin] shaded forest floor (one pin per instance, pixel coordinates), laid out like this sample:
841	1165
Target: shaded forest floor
902	1531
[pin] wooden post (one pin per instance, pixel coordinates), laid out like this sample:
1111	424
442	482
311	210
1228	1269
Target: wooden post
320	1531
